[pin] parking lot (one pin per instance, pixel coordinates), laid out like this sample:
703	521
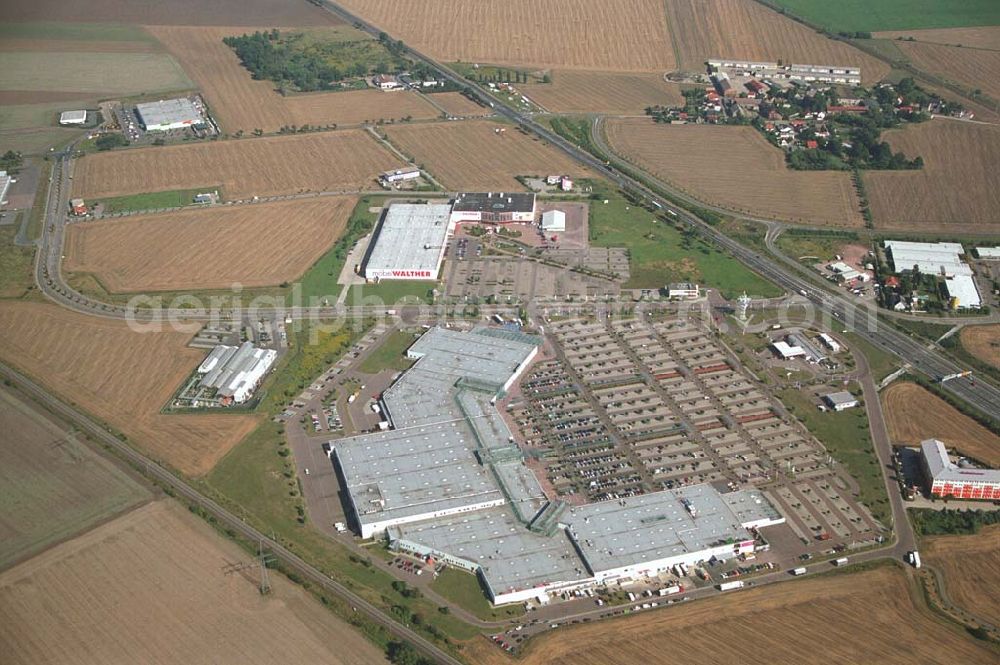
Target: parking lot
625	407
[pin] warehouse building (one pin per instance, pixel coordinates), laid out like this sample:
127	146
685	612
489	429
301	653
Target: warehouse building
840	401
448	482
941	259
235	372
930	258
73	117
399	175
988	253
168	114
947	479
409	242
494	208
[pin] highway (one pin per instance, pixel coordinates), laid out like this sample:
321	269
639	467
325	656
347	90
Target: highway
227	519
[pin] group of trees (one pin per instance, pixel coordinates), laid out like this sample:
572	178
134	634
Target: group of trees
949	522
296	63
11	162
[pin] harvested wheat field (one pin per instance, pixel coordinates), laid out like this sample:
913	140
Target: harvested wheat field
816	621
983	342
471	155
626	35
239	102
149	588
959	157
971	567
121	376
969	67
603	92
52	485
704	29
457	104
913	414
987	36
736	168
206	248
325	161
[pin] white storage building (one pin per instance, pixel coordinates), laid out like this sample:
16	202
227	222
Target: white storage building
168	114
409	242
554	220
988	253
73	117
931	258
965	292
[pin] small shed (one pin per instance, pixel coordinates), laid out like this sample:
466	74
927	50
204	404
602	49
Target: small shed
554	220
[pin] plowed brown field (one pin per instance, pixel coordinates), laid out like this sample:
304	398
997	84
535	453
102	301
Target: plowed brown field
704	29
603	92
206	248
627	35
912	414
736	168
970	67
470	155
957	190
149	588
979	37
121	376
971	567
326	161
810	622
983	342
239	102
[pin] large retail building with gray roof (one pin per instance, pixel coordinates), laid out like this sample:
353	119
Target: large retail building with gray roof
448	481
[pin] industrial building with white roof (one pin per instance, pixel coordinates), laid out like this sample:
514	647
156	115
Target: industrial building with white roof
168	114
235	372
449	482
942	259
409	243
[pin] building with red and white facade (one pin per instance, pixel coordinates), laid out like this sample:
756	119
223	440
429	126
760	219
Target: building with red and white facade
494	208
947	479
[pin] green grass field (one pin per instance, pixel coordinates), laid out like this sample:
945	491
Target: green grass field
152	200
823	246
16	274
464	589
52	485
847	437
320	281
660	254
882	363
392	292
389	354
107	32
105	73
874	15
